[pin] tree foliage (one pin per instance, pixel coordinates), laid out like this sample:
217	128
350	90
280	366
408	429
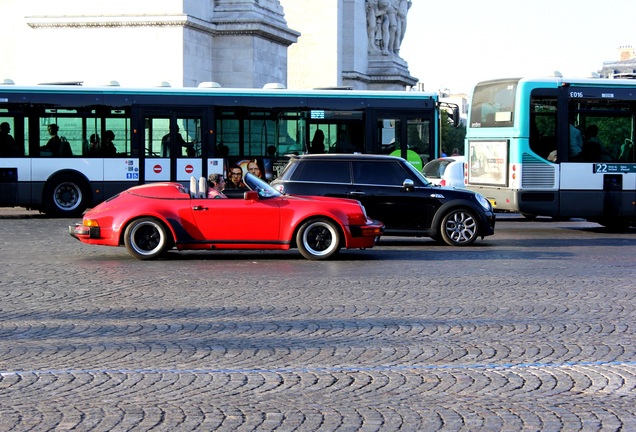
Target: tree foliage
451	136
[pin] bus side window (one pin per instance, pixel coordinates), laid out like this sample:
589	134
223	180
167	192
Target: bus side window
543	126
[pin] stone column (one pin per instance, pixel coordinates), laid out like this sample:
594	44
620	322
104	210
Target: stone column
250	43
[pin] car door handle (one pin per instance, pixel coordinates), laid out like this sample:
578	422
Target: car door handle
357	193
199	208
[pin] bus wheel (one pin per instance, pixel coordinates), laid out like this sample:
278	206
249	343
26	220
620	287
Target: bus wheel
459	227
65	196
318	239
147	238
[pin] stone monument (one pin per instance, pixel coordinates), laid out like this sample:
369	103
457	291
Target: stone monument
351	43
237	43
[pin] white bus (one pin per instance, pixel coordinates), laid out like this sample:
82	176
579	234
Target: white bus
555	147
56	153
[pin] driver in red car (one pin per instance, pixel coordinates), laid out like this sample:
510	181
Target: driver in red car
216	185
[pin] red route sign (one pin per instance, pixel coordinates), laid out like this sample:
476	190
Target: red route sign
157	169
189	169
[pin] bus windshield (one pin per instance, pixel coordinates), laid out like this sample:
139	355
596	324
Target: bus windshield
493	104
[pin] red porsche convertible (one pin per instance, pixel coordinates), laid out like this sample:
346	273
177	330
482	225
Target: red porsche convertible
153	218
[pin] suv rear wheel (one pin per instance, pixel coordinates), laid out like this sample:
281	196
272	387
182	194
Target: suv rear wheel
459	227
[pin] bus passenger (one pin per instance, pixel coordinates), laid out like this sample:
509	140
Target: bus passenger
54	145
93	145
181	143
108	148
342	144
8	146
576	143
317	145
593	148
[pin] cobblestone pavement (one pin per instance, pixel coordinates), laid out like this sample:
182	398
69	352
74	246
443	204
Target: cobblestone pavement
530	329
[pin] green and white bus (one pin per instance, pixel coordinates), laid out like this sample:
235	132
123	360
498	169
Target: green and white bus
555	147
172	134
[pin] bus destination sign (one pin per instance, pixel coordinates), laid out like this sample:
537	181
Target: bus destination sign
614	168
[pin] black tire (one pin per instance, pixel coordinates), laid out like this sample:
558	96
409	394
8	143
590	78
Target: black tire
147	238
318	239
615	225
66	196
459	227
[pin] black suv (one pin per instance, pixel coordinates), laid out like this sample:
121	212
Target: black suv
393	192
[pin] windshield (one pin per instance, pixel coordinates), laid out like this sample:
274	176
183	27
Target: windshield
256	184
493	104
436	168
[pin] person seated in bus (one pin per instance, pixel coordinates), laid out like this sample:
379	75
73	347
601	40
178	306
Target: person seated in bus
216	184
54	144
108	148
8	146
342	144
94	148
576	143
593	148
317	145
181	143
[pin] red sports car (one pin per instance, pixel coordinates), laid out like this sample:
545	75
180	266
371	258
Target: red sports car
153	218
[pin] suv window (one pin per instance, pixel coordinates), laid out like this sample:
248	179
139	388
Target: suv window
323	171
380	173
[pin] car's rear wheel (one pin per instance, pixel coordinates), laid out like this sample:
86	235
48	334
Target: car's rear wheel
147	238
318	239
459	227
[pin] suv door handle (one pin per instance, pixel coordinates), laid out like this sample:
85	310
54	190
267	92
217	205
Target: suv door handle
199	208
356	193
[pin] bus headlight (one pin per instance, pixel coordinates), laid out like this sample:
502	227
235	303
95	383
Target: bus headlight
484	202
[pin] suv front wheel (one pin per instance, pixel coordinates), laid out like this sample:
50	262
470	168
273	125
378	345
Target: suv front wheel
459	227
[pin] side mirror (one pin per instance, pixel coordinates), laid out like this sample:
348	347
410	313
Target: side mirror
250	196
408	185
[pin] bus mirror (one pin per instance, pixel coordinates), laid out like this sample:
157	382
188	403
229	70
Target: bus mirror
456	121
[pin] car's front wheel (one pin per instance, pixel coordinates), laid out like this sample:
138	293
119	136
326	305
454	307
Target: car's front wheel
318	239
147	238
459	227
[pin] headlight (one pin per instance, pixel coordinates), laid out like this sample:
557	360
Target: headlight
483	201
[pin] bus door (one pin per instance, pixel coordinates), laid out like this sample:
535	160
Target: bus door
410	135
175	145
